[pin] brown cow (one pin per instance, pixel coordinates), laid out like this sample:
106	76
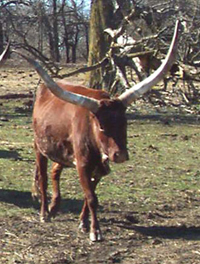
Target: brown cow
74	125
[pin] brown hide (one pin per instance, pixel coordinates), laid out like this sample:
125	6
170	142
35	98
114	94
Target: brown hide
69	134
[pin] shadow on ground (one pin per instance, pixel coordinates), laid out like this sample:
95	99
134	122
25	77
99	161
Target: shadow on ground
166	118
9	154
165	232
170	232
24	200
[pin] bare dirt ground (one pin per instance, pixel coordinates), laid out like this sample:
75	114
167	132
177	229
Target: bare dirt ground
166	232
158	237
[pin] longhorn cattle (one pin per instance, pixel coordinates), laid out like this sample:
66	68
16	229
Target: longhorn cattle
75	125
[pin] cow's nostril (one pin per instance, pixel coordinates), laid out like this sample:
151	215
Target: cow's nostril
120	157
116	155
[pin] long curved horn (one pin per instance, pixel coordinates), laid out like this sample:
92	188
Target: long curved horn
4	54
77	99
139	89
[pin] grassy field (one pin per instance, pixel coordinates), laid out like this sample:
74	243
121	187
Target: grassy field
149	206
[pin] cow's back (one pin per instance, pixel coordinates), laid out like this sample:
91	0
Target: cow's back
47	102
44	93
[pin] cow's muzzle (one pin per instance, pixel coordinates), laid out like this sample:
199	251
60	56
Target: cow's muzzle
120	156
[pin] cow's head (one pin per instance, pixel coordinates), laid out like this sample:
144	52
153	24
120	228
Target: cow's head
110	125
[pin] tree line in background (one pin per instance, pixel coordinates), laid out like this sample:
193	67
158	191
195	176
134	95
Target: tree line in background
53	30
108	36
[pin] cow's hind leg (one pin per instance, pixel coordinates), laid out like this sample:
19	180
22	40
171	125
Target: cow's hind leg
84	218
35	191
41	163
56	197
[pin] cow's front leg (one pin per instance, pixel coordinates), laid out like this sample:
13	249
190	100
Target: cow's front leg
84	216
91	203
56	197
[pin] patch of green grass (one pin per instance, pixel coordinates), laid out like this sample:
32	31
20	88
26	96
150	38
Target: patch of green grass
163	165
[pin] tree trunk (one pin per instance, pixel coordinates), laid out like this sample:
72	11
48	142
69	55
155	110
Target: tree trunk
55	32
1	38
100	19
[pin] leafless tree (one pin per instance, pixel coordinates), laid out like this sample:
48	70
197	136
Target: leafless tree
49	30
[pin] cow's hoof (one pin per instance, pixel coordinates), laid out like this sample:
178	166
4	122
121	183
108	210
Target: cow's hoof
96	236
44	219
52	212
35	192
83	227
